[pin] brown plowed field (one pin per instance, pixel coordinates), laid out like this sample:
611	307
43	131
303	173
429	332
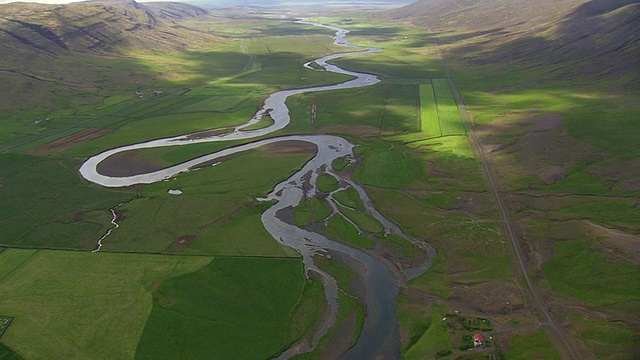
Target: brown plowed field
68	142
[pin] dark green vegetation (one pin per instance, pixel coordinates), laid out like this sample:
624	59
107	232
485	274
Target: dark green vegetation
561	138
8	354
238	301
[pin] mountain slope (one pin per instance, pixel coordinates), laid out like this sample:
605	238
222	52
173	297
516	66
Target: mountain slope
596	39
50	52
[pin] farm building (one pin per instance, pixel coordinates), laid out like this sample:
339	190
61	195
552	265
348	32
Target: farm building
478	340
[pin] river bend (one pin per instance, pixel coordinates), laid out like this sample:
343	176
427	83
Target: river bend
380	333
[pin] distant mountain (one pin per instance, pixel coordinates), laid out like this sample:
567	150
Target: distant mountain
483	14
599	37
271	3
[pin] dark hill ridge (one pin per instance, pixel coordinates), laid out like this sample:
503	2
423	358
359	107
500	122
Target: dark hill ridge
595	39
477	15
98	26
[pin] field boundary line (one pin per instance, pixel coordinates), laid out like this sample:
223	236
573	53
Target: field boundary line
19	266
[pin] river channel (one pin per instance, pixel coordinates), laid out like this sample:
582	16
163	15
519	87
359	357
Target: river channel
380	332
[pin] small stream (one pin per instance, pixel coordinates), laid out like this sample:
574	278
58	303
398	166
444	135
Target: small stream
380	333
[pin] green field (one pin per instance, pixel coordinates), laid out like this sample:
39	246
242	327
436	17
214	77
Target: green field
429	121
448	113
222	308
81	305
536	345
573	263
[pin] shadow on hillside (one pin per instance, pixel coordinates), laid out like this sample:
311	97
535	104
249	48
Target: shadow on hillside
454	37
598	41
287	30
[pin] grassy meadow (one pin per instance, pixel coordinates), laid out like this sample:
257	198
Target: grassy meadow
79	305
220	309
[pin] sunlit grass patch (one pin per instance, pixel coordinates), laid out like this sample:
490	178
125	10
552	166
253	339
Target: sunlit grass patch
429	122
448	113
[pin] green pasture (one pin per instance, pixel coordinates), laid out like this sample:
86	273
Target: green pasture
47	205
433	340
429	122
601	336
599	113
82	305
534	345
617	212
389	167
350	312
116	82
398	62
364	221
172	155
580	272
222	308
308	313
164	126
7	353
340	164
448	113
436	280
414	320
264	122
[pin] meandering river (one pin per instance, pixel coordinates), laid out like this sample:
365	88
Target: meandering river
380	333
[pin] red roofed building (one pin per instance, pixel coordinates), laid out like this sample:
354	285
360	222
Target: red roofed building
478	340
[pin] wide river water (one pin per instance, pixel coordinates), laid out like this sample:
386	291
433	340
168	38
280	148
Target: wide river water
380	333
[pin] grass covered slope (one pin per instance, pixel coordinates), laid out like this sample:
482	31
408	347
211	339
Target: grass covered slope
595	39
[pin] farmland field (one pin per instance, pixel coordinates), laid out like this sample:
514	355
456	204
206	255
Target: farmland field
58	298
430	124
219	309
448	113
